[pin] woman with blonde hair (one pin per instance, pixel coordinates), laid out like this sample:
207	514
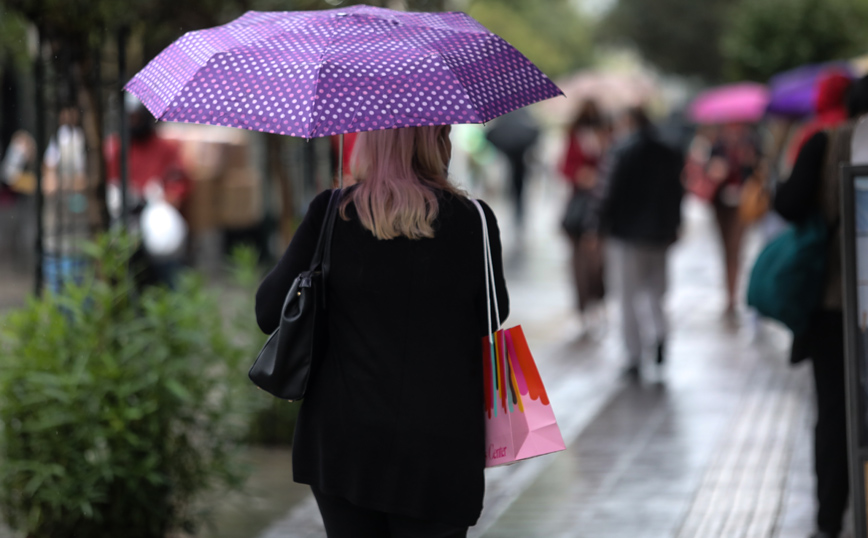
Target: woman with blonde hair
390	436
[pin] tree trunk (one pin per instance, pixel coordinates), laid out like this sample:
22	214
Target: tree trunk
90	102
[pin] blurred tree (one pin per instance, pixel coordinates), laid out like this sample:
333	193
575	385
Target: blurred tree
13	39
678	36
76	35
80	43
72	34
14	62
553	34
765	37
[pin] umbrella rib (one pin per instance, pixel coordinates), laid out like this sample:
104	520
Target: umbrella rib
349	128
430	47
261	39
313	99
204	35
463	87
310	127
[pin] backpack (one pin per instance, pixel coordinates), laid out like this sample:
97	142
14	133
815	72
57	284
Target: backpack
800	272
788	277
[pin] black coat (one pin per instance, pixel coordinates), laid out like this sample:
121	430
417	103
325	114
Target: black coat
796	200
644	190
393	418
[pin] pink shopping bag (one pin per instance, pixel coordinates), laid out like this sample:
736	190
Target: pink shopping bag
519	420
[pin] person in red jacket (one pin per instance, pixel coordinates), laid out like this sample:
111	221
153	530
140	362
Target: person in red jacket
812	188
587	143
151	159
830	105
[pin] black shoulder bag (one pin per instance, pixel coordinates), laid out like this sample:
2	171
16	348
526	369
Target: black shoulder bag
283	365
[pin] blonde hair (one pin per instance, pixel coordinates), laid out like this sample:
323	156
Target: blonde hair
399	172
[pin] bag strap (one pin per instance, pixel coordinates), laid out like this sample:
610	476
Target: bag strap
322	254
490	288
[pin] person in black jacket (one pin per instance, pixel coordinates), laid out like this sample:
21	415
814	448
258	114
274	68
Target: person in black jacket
391	435
640	215
813	187
515	135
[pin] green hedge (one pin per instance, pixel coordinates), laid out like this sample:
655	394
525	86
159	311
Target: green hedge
273	422
118	407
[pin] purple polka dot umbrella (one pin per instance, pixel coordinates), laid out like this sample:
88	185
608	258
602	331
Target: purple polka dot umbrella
319	73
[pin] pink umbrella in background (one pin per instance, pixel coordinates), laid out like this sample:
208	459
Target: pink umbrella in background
744	102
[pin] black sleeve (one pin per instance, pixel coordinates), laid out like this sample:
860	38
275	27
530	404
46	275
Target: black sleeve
677	185
796	199
497	263
272	291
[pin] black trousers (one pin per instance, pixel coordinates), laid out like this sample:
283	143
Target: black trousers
830	434
518	171
343	519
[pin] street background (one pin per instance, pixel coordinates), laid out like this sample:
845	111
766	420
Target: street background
718	442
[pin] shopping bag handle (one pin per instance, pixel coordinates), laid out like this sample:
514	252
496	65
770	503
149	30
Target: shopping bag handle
490	289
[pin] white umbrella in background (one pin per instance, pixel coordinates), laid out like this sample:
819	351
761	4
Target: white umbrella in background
612	90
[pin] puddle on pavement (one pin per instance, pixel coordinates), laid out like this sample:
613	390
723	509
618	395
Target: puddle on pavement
268	495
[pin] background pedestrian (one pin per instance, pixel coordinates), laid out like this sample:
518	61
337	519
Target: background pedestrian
640	217
515	135
813	187
587	142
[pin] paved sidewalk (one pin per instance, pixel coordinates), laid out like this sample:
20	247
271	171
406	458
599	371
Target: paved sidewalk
717	444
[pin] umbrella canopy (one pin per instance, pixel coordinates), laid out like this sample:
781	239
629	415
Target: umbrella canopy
319	73
794	92
514	133
613	91
734	103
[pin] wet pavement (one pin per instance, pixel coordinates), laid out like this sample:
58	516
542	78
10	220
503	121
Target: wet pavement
717	443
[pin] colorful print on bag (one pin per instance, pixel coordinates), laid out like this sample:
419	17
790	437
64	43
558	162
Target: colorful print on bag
520	422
